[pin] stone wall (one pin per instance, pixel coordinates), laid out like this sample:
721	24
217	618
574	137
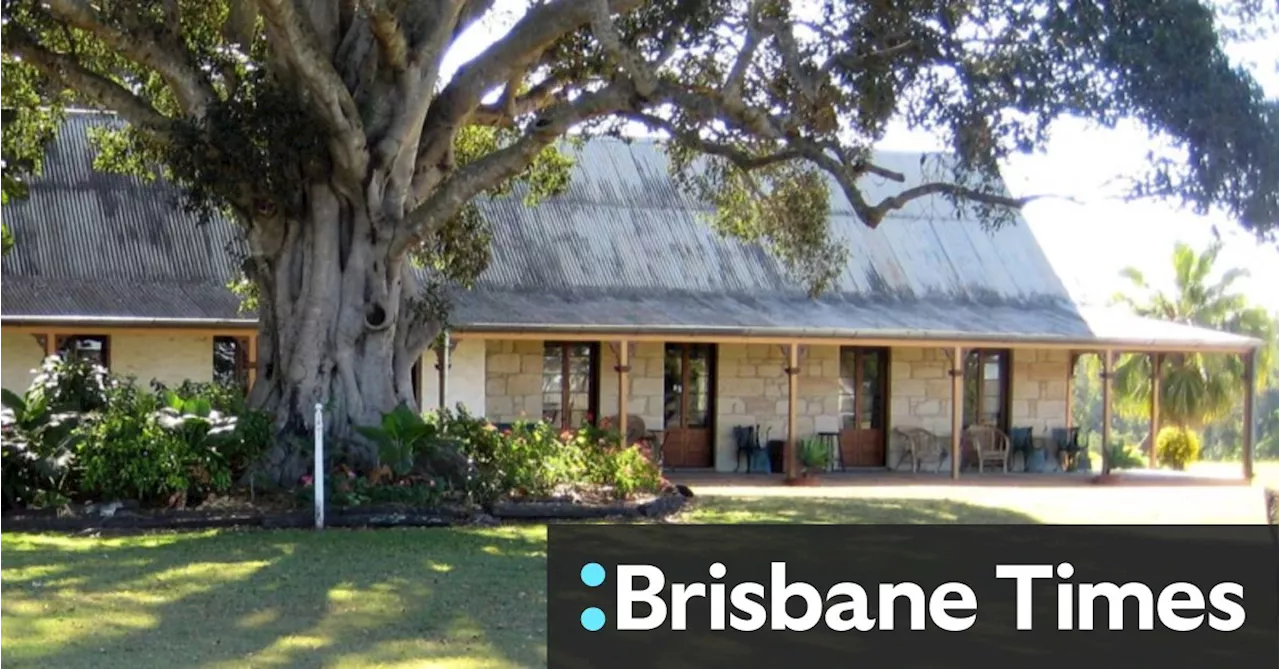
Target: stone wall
644	384
466	382
752	390
513	380
1040	389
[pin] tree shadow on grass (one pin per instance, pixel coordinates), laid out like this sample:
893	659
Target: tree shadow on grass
464	597
234	599
836	510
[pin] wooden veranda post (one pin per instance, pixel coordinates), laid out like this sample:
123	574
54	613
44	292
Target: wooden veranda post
252	362
1157	362
1073	360
1108	370
442	370
1250	360
792	464
957	408
623	369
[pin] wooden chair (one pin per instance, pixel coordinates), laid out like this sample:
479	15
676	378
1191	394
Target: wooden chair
917	441
989	444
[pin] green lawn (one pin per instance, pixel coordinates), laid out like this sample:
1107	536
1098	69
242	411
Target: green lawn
442	598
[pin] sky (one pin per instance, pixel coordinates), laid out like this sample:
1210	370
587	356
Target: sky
1090	237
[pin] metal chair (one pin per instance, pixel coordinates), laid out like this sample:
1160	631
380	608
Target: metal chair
1068	443
990	444
747	437
1021	440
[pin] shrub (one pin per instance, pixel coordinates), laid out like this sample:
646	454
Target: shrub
402	439
1177	447
146	449
1125	457
814	454
535	459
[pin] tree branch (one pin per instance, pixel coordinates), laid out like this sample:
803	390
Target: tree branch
483	174
189	85
505	112
386	30
737	76
632	64
76	77
294	39
514	53
872	216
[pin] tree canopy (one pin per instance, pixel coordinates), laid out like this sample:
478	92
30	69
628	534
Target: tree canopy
333	133
1195	388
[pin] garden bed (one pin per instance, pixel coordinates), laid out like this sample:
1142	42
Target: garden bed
82	518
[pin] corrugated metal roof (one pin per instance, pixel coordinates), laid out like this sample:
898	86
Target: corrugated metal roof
95	245
622	249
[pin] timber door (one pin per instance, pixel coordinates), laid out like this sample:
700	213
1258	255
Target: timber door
688	390
864	394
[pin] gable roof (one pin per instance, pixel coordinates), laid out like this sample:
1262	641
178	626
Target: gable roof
622	251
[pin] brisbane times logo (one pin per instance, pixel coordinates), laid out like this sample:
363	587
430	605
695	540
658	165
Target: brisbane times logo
944	597
645	600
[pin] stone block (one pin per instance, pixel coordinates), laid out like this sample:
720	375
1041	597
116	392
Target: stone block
525	384
928	408
747	387
938	389
1044	371
504	363
529	346
928	370
908	354
532	364
909	388
496	385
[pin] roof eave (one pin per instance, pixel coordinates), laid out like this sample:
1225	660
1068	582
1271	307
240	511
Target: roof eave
887	337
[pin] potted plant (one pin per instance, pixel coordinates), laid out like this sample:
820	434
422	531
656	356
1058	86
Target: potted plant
814	457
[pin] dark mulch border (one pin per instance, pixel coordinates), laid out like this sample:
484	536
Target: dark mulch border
51	520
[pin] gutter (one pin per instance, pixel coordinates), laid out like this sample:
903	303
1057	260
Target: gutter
1242	345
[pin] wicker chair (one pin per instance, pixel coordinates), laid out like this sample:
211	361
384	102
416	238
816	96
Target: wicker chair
917	442
990	445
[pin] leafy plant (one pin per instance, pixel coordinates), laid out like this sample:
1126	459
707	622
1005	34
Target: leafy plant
147	448
402	438
1177	447
1122	456
38	450
814	454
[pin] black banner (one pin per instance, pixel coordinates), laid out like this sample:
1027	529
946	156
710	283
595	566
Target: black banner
962	596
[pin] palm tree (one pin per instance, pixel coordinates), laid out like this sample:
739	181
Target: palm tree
1196	388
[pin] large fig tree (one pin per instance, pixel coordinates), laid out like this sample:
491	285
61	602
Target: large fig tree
336	135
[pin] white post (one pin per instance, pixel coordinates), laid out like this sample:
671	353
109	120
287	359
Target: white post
319	474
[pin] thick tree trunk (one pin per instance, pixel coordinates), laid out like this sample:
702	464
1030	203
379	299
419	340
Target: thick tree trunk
337	328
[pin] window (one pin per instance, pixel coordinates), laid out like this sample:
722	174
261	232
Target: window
231	361
95	349
986	388
863	372
569	393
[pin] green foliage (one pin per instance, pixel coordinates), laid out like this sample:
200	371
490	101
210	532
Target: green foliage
148	448
1126	456
814	454
1196	388
1176	448
402	438
71	384
537	460
38	450
6	240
